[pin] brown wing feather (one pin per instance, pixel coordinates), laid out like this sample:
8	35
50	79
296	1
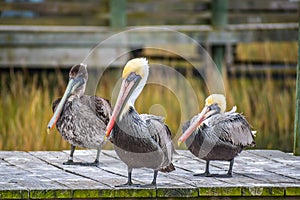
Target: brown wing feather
101	107
161	133
232	127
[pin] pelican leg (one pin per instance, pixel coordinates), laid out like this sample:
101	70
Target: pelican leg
129	181
229	173
206	173
97	156
95	163
70	160
153	183
154	177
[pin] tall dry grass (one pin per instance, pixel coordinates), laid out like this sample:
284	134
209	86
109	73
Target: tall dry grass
25	110
25	107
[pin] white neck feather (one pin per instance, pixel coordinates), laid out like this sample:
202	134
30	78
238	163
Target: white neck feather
135	94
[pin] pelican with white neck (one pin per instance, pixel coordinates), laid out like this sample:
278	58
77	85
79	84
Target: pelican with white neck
140	140
214	134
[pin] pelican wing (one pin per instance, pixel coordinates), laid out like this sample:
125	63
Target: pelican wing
231	127
162	135
101	107
157	129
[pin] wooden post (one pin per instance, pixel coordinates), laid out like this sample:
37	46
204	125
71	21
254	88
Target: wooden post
117	13
219	22
297	113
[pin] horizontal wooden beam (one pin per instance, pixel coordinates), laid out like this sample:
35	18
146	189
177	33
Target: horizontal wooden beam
59	46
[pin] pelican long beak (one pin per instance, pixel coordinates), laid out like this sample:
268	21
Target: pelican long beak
127	87
72	85
205	113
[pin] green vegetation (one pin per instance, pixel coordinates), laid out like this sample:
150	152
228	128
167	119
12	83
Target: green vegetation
25	107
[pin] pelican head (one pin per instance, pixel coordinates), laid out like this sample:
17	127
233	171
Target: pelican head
215	103
76	86
218	100
134	78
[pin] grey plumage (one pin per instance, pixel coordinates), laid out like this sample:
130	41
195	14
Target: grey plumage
81	119
140	140
143	141
222	136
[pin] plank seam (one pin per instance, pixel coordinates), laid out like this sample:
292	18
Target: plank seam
74	173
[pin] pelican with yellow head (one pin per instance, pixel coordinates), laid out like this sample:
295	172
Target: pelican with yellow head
214	134
140	140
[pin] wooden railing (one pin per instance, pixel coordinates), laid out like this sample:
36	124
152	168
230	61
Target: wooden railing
146	12
52	33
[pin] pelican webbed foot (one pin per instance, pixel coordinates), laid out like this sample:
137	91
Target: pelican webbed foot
153	183
129	182
206	173
69	162
95	164
223	175
150	185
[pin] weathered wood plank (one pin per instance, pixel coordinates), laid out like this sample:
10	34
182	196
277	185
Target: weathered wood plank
112	165
8	188
253	181
58	8
273	5
56	21
29	176
86	183
108	173
281	160
181	187
62	57
41	174
144	12
242	18
37	46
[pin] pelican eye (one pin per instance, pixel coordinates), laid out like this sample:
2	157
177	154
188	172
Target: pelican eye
133	77
215	107
130	109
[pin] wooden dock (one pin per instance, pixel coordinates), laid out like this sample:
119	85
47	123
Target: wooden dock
41	175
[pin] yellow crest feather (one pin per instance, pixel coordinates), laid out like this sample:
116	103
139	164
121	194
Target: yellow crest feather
135	65
216	98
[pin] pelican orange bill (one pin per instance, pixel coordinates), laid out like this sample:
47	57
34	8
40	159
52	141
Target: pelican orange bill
201	117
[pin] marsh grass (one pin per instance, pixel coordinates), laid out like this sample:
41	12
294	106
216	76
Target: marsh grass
25	107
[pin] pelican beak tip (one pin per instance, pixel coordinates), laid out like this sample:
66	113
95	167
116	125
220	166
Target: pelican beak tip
48	130
106	135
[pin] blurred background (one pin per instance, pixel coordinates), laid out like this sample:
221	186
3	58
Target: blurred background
252	42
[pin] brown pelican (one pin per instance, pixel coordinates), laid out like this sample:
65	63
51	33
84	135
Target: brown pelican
217	135
79	118
139	140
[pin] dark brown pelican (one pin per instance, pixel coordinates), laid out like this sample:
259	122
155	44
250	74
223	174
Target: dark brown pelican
217	135
79	118
139	140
